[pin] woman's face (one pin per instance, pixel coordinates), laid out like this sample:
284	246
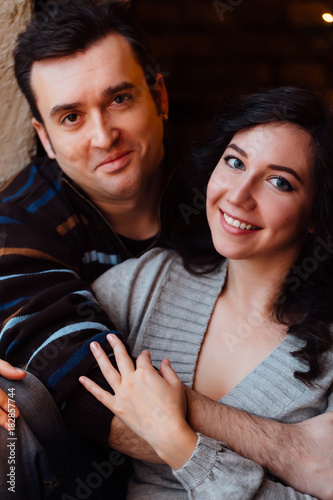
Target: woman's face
260	194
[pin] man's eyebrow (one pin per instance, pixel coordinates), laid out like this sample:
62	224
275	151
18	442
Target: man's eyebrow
279	168
238	149
118	88
109	91
63	107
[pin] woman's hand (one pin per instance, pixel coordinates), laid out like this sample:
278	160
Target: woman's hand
6	405
153	405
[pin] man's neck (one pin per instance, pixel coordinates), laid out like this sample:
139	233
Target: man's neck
138	217
135	222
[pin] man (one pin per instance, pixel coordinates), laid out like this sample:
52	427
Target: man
105	194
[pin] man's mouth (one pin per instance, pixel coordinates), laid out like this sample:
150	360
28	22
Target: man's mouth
238	224
114	158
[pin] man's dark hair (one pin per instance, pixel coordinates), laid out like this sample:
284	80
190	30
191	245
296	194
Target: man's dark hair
74	27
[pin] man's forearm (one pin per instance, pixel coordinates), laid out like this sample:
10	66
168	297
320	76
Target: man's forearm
252	437
299	454
121	438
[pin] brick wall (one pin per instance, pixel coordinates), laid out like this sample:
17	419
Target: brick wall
16	134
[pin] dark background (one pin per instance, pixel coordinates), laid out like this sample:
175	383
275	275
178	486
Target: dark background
207	49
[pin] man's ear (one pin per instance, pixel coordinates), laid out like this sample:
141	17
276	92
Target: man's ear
161	96
44	138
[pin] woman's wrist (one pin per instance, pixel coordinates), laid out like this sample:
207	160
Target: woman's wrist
178	448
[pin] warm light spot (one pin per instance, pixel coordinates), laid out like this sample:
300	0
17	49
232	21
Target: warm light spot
327	17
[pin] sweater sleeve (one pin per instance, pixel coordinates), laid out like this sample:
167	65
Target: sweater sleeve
214	471
49	315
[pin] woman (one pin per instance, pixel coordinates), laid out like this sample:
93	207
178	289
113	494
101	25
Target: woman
245	321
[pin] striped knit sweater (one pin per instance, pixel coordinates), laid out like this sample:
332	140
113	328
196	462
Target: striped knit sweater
53	244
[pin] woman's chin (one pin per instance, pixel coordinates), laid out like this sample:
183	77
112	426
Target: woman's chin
232	253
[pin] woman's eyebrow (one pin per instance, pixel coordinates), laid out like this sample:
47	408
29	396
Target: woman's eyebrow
238	149
280	168
286	169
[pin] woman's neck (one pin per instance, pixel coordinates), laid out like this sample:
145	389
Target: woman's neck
252	285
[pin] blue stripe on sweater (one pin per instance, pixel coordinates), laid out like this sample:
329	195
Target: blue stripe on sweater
102	258
13	322
8	220
43	200
84	325
33	172
7	305
12	346
74	360
85	293
38	274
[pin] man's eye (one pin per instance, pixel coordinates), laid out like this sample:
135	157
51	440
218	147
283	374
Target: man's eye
72	118
281	183
234	162
120	99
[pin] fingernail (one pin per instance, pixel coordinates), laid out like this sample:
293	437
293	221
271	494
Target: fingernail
110	337
94	346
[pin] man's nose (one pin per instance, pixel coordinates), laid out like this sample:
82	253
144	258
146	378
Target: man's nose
103	132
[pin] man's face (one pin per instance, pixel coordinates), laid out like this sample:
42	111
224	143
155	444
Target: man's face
101	122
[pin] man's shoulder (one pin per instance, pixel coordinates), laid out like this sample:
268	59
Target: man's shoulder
143	271
37	177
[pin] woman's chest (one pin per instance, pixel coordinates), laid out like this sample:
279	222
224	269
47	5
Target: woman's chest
261	374
233	346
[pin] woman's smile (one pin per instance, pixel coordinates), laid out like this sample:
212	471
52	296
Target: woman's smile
239	224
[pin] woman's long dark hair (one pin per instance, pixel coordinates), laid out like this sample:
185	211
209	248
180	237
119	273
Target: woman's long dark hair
305	304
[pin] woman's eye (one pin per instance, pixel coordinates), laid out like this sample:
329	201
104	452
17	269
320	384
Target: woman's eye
234	162
281	183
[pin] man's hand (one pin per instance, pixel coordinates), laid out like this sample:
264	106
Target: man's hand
313	473
299	454
9	372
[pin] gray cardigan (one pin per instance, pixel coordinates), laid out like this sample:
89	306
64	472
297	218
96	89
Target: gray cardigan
157	305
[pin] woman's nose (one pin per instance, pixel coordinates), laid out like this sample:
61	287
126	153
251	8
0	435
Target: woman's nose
242	194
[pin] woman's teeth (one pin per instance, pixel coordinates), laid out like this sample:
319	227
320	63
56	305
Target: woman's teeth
237	223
